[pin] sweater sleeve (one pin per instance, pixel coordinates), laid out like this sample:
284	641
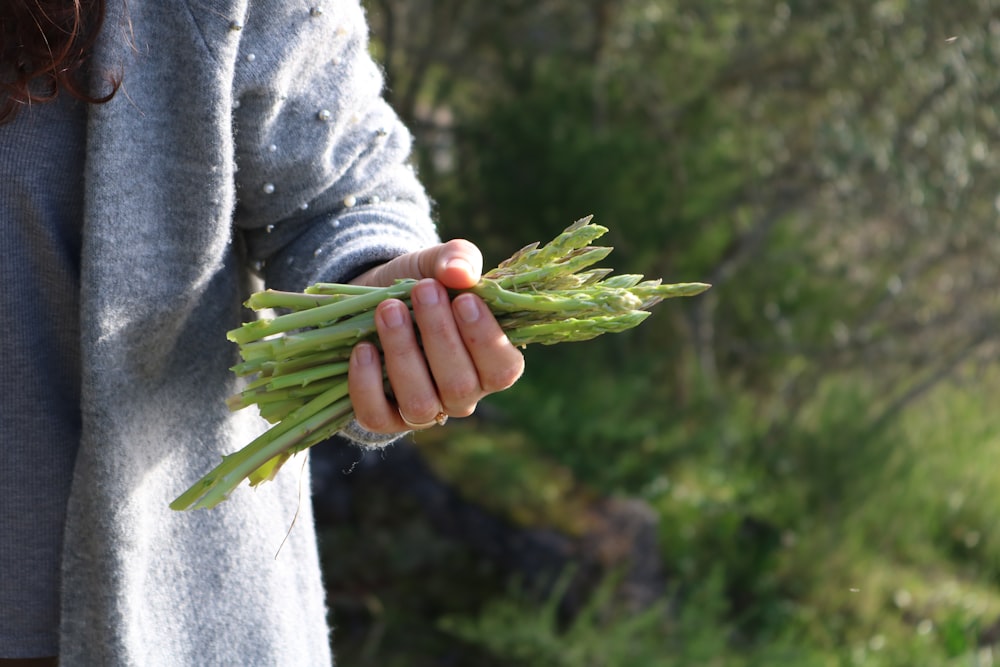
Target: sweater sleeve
325	188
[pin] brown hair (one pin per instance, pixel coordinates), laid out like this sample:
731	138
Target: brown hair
44	47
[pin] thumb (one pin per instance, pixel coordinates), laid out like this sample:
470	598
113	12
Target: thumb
457	264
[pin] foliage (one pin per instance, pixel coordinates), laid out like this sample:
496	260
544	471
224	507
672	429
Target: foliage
518	629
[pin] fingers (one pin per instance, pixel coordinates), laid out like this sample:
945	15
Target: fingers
416	400
451	364
464	356
498	364
372	409
457	264
410	379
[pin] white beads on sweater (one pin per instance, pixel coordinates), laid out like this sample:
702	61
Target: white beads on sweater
270	152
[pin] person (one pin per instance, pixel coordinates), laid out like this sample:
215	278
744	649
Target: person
159	159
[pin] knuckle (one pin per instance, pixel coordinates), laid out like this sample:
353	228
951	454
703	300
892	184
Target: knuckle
375	423
399	349
421	409
459	389
461	246
503	378
460	410
394	353
434	327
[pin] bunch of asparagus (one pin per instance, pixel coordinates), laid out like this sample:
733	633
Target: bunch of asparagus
541	294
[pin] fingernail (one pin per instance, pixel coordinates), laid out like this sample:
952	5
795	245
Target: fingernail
468	308
365	355
459	264
392	315
426	293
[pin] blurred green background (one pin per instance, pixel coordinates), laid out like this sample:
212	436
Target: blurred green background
798	467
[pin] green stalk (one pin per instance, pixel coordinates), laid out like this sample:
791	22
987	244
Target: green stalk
320	315
536	278
340	289
263	395
287	300
345	332
268	367
573	238
652	292
308	375
622	280
308	361
215	486
269	469
574	330
566	302
275	412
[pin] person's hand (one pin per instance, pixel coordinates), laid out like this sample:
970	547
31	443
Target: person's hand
465	354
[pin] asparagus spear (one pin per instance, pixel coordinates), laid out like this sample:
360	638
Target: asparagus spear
541	294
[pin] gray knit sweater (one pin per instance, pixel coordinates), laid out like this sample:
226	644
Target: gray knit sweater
245	132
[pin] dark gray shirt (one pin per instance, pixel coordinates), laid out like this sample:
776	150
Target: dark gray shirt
41	167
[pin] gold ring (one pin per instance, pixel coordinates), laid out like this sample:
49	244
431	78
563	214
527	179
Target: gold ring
439	420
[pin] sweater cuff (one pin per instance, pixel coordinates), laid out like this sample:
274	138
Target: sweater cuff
341	247
365	438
